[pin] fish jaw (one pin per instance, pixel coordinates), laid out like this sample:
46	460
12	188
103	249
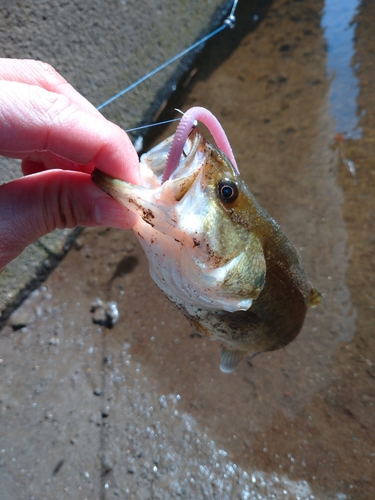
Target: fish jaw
152	205
155	202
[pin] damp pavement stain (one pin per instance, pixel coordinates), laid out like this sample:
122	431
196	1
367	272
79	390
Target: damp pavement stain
141	410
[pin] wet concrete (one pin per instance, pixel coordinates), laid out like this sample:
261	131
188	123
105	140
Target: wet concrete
141	410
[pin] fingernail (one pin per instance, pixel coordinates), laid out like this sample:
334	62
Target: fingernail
109	212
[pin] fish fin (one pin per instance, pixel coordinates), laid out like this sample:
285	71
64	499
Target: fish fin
316	298
230	359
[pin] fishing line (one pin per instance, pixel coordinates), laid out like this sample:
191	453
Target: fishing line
153	125
162	66
228	23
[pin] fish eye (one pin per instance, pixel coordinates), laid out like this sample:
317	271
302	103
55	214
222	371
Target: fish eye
228	191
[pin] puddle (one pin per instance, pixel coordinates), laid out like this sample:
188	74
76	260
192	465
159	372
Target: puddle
296	423
339	25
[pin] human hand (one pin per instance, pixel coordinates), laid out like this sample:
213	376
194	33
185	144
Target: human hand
60	138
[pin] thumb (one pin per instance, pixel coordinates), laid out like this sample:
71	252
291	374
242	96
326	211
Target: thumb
33	206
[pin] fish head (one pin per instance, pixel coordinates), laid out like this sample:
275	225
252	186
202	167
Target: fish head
194	226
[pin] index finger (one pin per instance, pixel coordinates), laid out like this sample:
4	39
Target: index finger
35	120
42	75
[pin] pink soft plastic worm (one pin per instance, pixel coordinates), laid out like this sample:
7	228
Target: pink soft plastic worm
182	133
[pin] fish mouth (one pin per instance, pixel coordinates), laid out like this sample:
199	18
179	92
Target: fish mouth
155	201
159	160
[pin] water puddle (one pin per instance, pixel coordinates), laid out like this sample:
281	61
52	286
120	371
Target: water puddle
339	25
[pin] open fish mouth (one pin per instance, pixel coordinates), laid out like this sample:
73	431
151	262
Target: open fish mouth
154	201
187	124
177	159
158	159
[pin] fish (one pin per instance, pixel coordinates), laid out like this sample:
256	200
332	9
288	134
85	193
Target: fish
212	249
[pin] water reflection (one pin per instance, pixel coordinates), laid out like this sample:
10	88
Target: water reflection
339	28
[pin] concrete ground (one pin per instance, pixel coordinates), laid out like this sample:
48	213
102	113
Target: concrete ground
141	410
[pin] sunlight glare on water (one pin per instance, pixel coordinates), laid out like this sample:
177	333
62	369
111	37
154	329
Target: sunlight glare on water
337	20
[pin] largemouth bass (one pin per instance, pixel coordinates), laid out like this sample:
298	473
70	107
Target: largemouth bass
212	249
